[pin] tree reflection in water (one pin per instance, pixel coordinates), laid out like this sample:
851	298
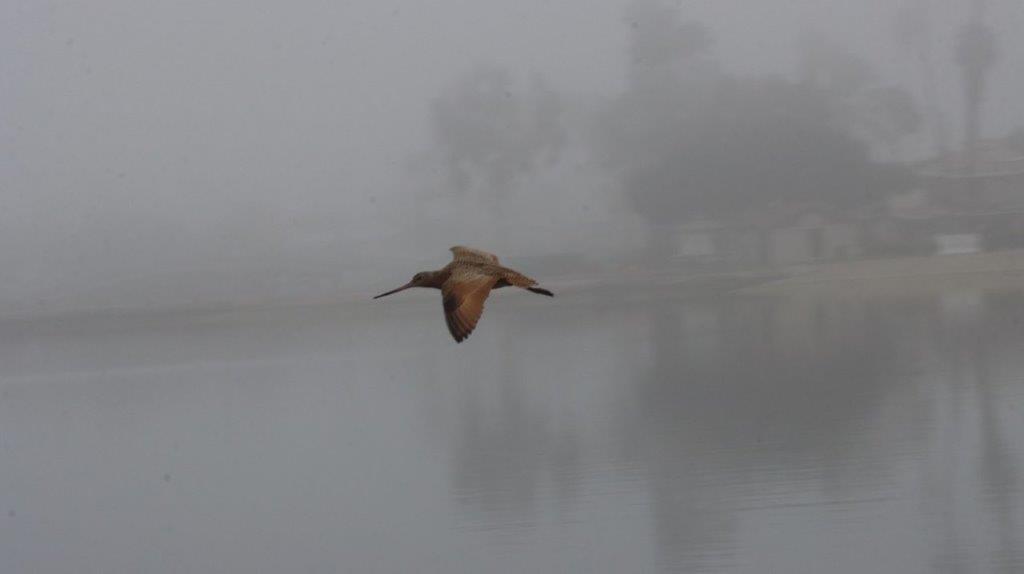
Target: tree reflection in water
732	409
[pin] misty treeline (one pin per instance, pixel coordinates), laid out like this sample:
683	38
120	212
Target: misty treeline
493	131
685	139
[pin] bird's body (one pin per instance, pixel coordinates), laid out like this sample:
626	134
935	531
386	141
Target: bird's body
465	284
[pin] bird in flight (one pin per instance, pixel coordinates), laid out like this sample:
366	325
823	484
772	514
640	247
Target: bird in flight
465	284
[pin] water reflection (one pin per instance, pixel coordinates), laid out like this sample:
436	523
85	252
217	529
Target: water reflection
628	434
746	401
979	343
505	450
737	412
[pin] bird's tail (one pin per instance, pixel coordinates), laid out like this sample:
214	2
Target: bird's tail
540	290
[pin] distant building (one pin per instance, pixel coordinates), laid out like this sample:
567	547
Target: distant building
960	204
784	235
992	178
813	237
960	200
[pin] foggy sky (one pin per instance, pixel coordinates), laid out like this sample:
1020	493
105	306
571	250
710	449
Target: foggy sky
149	150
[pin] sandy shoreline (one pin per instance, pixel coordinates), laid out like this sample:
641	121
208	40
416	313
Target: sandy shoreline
979	272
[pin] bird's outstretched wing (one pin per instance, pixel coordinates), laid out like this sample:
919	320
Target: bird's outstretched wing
463	295
470	255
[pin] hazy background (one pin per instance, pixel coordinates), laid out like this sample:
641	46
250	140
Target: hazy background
186	153
786	240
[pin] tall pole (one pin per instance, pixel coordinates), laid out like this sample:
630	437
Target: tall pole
975	55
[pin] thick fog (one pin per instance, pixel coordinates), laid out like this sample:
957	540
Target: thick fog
784	241
180	153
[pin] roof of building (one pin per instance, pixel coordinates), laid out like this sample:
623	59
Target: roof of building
992	158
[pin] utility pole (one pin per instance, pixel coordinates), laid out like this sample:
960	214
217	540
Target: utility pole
975	54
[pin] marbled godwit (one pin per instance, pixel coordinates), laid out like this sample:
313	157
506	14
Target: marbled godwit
465	283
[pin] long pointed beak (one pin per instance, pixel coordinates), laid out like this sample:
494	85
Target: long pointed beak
393	291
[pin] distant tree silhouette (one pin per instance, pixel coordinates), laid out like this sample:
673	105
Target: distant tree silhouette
760	142
914	34
881	114
659	38
491	132
689	141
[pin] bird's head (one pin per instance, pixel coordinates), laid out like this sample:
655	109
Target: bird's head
421	279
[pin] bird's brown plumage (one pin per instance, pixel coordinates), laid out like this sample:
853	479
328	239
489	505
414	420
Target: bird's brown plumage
463	295
470	255
465	284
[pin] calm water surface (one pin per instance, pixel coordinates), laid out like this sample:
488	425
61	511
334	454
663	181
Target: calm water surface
616	434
